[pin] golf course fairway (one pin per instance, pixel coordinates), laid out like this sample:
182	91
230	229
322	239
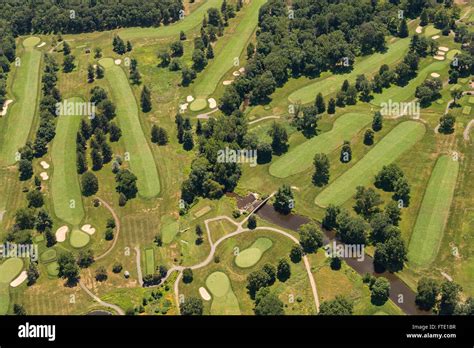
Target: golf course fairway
300	158
224	301
434	212
394	144
189	22
20	116
65	188
368	66
207	81
142	162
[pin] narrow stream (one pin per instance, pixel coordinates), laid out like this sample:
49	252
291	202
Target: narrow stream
400	293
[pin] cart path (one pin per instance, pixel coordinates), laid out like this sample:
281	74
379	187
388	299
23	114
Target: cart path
102	303
117	226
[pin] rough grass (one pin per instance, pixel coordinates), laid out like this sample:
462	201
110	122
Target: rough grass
367	65
21	113
65	188
169	229
142	162
207	82
300	158
4	298
395	143
434	212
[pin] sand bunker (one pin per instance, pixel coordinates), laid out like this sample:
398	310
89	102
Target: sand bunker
189	98
19	280
61	233
440	53
41	44
5	107
435	37
118	61
44	164
242	70
439	57
419	30
204	294
212	103
435	74
236	73
184	107
44	176
227	82
443	48
88	229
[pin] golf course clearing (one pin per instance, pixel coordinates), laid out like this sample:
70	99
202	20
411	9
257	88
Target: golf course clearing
300	158
10	269
21	114
169	229
79	239
250	256
224	301
434	212
207	82
394	144
142	162
368	66
149	261
65	188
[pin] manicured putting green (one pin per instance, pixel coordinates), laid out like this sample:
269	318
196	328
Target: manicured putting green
65	187
368	65
434	212
4	298
392	146
169	229
207	82
79	239
224	301
21	113
300	158
48	256
150	261
10	269
189	22
250	256
198	105
31	41
53	269
142	162
106	62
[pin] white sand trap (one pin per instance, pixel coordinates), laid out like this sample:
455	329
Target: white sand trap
189	98
440	53
95	66
184	107
204	294
419	30
61	233
19	280
435	74
435	37
438	57
5	107
443	48
88	229
44	176
236	73
41	44
212	103
118	61
242	70
44	164
227	82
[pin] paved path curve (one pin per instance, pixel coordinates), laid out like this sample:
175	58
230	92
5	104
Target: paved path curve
468	129
102	303
263	119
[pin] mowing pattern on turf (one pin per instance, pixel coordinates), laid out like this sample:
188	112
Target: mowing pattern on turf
300	158
434	213
142	162
65	188
395	143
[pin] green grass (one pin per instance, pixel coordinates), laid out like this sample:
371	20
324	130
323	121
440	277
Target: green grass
65	188
31	41
301	157
207	81
142	162
224	301
466	110
10	269
430	30
149	261
198	105
250	256
79	239
452	53
21	113
106	62
48	256
366	65
471	100
53	269
169	229
4	298
434	212
189	22
394	144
